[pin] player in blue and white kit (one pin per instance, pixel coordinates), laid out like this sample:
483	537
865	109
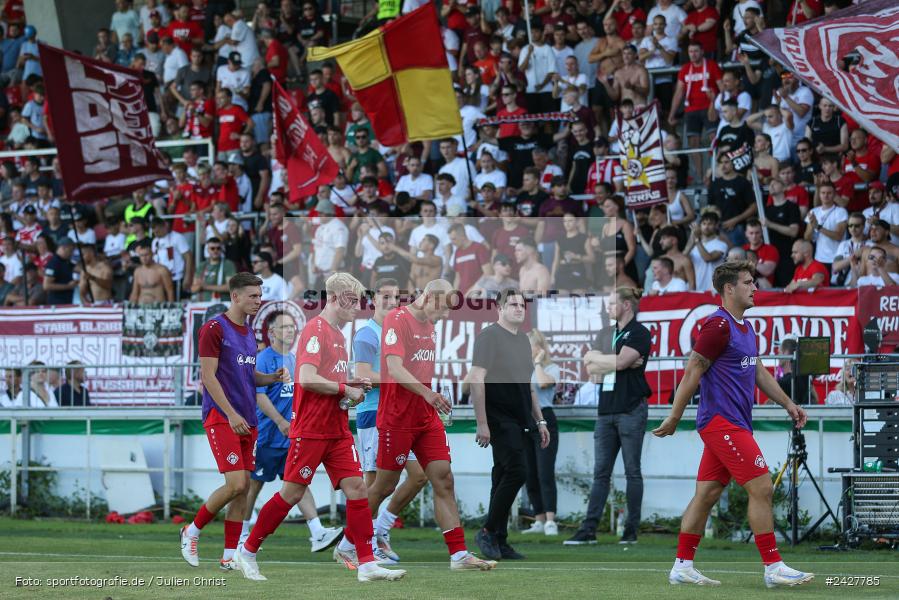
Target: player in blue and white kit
725	366
367	358
274	407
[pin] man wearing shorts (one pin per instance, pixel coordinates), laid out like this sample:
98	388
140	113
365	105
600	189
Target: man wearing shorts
407	415
698	82
725	366
228	362
367	358
320	433
274	405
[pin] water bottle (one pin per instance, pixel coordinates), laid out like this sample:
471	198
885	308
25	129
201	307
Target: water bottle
447	418
619	526
346	403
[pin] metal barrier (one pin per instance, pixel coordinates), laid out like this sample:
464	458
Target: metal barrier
173	419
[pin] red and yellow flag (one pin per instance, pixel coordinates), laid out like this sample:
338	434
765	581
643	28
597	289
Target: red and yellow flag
400	76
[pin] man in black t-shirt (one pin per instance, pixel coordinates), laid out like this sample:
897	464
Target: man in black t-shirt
733	196
619	359
783	220
519	149
505	410
59	280
257	169
735	137
327	99
389	265
528	201
581	152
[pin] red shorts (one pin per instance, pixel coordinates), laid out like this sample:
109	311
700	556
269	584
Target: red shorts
730	451
232	452
428	444
338	455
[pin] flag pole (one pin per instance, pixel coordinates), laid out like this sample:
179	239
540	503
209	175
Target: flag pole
471	190
527	20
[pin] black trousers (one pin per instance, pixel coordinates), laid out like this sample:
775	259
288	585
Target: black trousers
507	441
541	463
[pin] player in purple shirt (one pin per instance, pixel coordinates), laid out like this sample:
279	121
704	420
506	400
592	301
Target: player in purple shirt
725	366
227	348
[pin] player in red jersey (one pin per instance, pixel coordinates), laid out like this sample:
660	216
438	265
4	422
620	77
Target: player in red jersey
408	419
228	371
320	433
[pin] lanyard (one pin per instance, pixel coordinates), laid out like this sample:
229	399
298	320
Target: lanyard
615	338
690	81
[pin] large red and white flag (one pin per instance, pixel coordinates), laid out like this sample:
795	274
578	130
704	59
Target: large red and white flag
101	126
815	52
640	139
297	147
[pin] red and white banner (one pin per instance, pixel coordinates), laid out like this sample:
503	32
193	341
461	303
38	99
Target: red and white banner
641	157
101	125
306	160
816	52
673	321
880	305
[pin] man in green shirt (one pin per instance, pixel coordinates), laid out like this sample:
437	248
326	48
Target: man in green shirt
365	155
211	279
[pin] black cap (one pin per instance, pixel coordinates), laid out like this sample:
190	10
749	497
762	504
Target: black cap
29	210
235	58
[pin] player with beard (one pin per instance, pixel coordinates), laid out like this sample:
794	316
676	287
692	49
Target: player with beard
725	366
228	362
320	433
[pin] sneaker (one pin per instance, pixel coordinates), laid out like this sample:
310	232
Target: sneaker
551	528
536	527
189	548
507	552
329	536
228	565
381	557
470	562
689	575
488	544
581	538
784	576
372	572
247	565
384	545
346	558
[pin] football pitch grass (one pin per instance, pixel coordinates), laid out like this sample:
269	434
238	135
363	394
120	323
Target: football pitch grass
51	549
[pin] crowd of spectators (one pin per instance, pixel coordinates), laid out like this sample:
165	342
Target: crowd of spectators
514	204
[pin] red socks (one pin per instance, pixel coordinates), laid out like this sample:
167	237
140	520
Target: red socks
203	517
767	545
455	540
232	533
359	528
267	522
687	543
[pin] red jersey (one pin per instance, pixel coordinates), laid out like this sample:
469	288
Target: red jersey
698	80
193	126
204	196
708	39
181	206
28	234
796	14
184	34
231	120
487	67
318	416
274	49
415	342
228	193
626	21
766	253
509	129
468	264
805	273
197	15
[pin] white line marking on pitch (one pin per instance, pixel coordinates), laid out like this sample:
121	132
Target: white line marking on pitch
506	566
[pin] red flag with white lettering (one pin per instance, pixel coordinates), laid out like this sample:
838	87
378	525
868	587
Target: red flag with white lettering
101	124
297	147
818	51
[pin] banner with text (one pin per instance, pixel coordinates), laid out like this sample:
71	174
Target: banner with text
641	157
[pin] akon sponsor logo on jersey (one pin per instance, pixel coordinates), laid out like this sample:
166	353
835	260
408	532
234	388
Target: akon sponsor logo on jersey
423	355
748	361
245	360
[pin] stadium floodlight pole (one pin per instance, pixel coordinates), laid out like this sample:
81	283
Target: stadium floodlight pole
88	292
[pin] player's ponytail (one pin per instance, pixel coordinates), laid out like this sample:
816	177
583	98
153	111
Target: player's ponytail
630	295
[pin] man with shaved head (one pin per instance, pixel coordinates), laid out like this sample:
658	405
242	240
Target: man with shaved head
809	272
408	415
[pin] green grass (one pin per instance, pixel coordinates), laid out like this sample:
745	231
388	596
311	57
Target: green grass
44	549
